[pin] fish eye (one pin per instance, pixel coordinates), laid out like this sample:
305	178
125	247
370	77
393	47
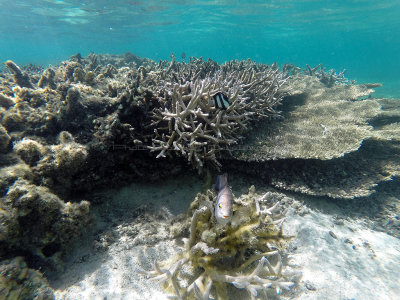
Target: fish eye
220	206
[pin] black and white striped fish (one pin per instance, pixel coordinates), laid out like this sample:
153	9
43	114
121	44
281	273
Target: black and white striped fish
221	100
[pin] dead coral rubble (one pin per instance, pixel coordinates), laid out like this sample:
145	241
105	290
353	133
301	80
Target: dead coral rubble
34	220
246	253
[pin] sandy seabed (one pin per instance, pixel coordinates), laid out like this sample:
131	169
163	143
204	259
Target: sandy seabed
338	257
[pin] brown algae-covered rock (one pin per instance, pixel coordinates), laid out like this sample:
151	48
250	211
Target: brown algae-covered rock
47	79
70	157
6	101
17	281
12	121
4	140
46	225
11	170
30	151
20	77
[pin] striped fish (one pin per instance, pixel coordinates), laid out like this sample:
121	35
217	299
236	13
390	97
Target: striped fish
221	101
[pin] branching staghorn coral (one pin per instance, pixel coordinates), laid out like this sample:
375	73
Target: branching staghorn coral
328	78
245	254
187	121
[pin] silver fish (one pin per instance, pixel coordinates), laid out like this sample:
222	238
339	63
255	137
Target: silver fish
224	203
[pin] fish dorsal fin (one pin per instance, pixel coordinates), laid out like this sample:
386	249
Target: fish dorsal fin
222	181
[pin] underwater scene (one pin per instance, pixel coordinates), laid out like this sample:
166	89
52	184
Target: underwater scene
199	149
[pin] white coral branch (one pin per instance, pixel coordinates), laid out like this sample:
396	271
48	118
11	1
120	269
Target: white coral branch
201	246
257	280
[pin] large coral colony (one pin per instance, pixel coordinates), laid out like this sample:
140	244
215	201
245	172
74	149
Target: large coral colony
188	124
69	129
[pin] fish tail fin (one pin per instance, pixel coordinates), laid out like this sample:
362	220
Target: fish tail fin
222	181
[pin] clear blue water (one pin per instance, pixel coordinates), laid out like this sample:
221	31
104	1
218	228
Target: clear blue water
361	36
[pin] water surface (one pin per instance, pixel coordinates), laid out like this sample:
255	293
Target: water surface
361	36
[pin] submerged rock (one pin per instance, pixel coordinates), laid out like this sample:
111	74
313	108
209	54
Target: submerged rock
4	140
6	101
30	151
17	281
36	220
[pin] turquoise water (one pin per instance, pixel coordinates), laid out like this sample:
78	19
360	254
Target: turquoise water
361	36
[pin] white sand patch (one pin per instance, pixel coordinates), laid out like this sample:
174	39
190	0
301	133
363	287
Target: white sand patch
116	276
357	264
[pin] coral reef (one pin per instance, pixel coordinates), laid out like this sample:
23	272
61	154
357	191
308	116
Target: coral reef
128	103
330	141
328	78
105	120
17	281
124	102
245	253
93	108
